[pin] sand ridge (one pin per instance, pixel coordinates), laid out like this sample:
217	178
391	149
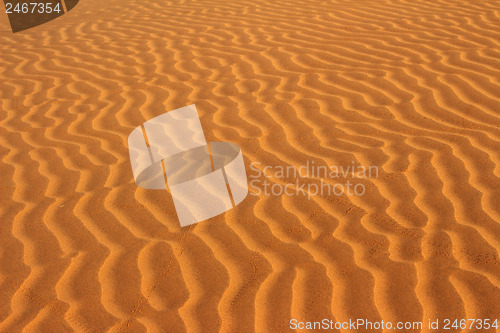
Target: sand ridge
409	86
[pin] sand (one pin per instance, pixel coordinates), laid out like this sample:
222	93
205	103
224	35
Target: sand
411	87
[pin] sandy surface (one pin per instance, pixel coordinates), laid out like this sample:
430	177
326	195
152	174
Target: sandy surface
410	87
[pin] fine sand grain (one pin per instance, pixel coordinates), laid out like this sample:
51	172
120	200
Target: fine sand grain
411	87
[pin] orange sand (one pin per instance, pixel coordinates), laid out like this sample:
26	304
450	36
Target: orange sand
409	86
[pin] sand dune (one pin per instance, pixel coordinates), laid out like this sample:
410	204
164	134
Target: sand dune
411	87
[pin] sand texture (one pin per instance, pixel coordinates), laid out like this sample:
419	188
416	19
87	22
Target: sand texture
409	86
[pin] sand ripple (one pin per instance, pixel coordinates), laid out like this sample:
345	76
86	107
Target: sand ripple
409	86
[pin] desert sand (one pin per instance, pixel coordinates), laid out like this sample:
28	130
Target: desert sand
411	87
